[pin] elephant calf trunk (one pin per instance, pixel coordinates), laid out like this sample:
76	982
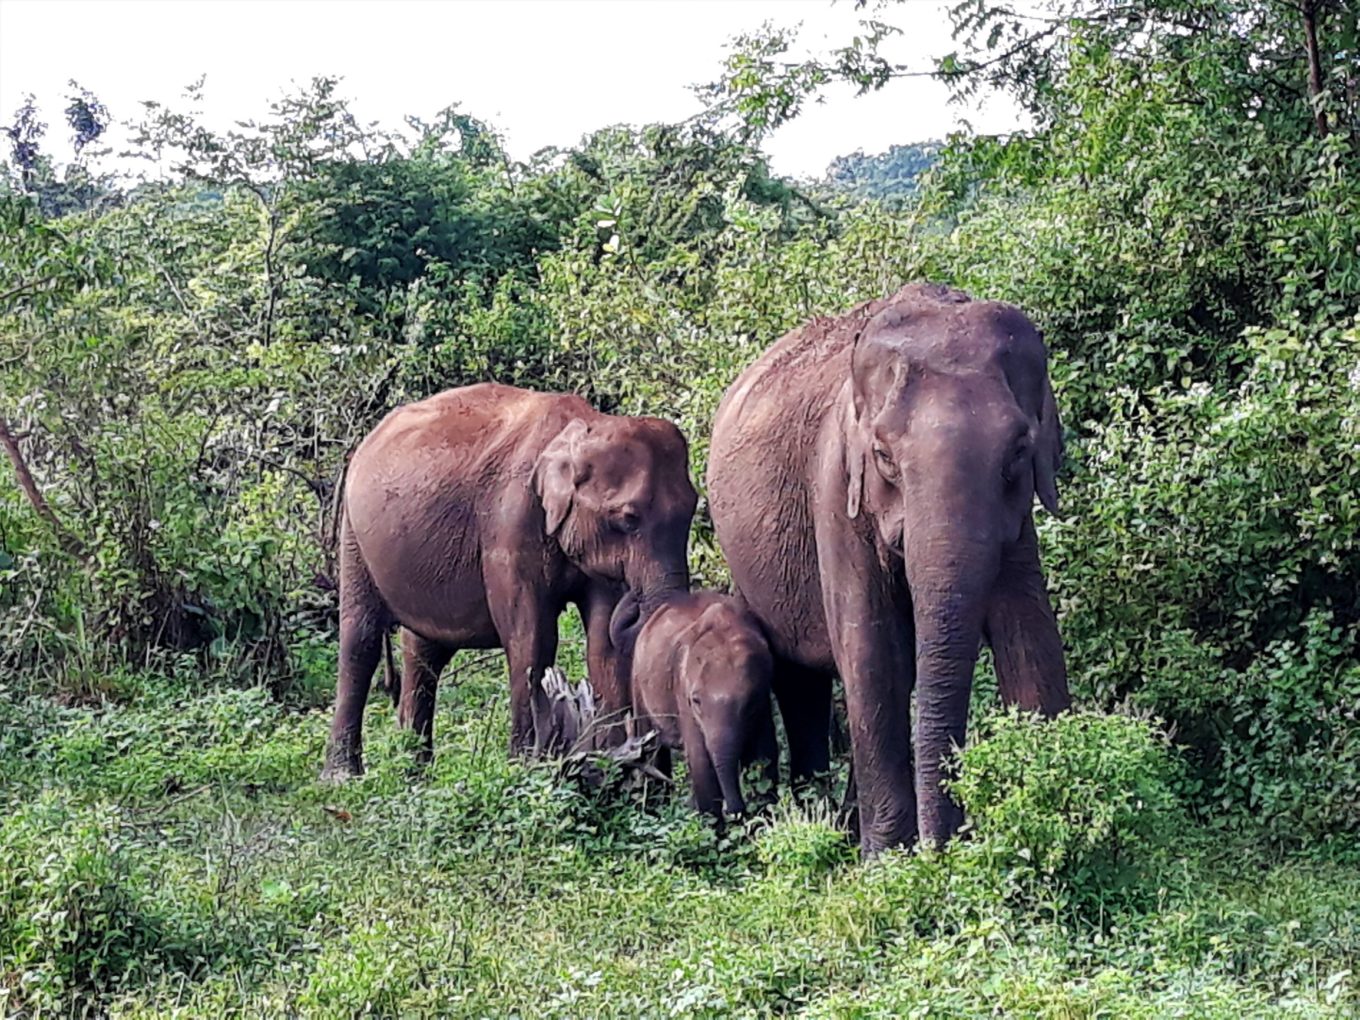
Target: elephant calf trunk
725	753
729	781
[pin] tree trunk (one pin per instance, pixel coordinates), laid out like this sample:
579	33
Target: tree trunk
1309	10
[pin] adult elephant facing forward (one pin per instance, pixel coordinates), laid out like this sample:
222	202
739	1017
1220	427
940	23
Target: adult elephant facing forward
871	480
472	518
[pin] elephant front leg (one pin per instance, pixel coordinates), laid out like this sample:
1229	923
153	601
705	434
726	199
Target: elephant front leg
1023	633
872	641
878	692
607	668
528	630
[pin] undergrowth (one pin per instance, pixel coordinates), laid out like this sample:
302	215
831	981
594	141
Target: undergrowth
173	855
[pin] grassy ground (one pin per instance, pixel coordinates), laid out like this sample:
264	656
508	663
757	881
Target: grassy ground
171	853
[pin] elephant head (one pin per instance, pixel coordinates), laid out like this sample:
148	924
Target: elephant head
725	673
950	430
616	495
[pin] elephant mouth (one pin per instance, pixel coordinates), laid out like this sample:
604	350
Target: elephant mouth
894	540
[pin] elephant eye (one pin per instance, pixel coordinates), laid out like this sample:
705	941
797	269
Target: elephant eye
1015	463
887	467
625	522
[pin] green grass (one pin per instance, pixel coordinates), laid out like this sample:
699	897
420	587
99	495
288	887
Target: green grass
173	855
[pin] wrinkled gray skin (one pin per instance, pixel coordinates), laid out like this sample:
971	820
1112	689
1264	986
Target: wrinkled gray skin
701	680
871	480
472	518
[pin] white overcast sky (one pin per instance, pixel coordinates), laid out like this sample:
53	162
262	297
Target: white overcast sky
543	72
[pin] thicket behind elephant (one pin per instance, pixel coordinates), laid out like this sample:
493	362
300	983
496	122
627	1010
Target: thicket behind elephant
701	679
871	480
472	518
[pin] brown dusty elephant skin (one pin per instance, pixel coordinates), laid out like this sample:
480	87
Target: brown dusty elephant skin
871	480
472	518
701	680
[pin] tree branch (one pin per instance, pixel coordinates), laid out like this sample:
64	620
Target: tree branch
24	288
1023	44
69	542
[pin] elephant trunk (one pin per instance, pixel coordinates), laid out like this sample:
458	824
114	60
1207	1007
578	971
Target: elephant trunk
727	764
724	733
625	621
949	595
660	572
647	588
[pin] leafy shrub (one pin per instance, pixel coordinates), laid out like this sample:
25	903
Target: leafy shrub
72	915
1210	575
802	843
1290	761
1085	801
692	843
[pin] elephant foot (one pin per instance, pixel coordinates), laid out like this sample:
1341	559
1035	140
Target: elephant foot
420	764
341	767
871	844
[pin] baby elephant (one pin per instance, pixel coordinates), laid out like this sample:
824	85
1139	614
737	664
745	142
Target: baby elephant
701	680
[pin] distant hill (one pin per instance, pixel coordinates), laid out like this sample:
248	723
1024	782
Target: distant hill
884	175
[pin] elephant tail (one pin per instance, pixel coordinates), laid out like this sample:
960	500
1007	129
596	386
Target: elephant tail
391	678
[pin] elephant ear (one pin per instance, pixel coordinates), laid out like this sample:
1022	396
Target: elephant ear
876	361
558	473
1048	451
864	368
853	451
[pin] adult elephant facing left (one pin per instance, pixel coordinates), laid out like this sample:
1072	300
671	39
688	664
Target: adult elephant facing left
472	518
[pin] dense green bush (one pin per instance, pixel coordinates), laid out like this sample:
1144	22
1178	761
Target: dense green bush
1086	804
1212	576
77	919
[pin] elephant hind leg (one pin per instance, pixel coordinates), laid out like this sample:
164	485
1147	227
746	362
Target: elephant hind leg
422	661
364	623
804	697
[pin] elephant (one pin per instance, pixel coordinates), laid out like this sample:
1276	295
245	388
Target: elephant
701	679
871	482
471	518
